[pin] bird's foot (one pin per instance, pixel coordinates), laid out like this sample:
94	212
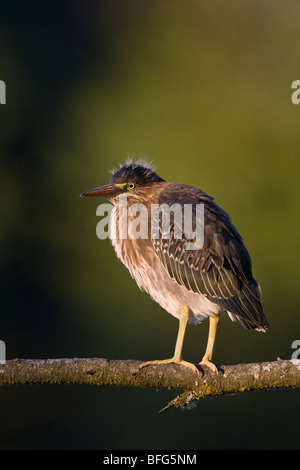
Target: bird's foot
211	365
170	361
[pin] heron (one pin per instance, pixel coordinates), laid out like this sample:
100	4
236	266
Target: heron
190	284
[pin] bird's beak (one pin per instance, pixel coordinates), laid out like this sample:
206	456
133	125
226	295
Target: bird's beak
108	191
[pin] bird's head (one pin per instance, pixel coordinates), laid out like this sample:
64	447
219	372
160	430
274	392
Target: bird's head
132	179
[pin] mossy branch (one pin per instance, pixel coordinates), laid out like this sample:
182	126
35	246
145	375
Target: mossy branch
93	371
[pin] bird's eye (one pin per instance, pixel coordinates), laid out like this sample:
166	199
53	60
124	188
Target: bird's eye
130	185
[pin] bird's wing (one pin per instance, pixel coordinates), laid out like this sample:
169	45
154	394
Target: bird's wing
221	269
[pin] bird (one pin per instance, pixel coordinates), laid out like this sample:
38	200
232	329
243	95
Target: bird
192	284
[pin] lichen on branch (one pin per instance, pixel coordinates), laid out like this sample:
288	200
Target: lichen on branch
95	371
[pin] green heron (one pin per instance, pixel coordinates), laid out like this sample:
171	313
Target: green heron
190	284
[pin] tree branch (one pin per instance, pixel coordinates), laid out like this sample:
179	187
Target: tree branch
94	371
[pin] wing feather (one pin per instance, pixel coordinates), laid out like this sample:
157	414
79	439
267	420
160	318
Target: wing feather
221	269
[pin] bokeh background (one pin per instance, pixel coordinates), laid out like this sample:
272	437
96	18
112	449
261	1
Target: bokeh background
203	89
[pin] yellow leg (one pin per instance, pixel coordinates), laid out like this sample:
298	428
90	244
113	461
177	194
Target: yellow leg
177	358
213	324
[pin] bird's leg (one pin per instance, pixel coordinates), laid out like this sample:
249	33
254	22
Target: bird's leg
213	324
177	358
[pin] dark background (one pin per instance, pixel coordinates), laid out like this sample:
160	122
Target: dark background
204	90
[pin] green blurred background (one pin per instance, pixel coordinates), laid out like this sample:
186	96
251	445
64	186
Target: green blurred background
204	90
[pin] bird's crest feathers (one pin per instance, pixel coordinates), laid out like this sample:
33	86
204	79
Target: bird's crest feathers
139	171
133	162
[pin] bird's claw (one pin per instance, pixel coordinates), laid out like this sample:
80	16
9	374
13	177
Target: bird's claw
211	365
170	361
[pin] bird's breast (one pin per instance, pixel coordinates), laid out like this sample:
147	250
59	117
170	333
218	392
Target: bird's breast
139	256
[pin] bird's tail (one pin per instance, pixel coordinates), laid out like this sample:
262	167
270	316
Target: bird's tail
246	307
